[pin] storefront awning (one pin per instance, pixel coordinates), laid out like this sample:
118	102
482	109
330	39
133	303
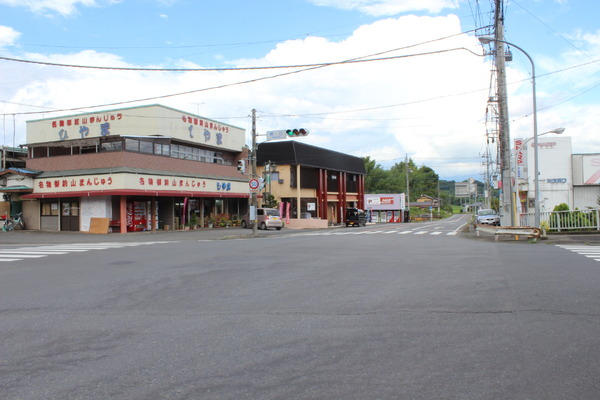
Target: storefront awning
131	192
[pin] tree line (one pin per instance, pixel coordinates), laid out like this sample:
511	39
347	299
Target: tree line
422	180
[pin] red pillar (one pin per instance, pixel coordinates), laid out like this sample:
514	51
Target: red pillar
320	195
341	195
324	198
123	214
361	192
153	216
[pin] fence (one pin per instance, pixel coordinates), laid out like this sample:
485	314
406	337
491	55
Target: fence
561	221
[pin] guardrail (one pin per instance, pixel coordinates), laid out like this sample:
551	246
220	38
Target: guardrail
529	231
561	221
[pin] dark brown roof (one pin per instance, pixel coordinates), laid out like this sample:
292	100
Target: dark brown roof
292	152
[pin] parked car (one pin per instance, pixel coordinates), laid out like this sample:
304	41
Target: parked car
355	217
267	218
487	217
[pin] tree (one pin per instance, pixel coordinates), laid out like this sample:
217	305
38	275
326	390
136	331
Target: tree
376	176
425	181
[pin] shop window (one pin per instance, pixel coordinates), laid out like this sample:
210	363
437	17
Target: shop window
146	147
87	149
275	177
111	146
49	208
132	145
220	206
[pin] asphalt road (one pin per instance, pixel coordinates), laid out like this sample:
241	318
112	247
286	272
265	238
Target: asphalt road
403	312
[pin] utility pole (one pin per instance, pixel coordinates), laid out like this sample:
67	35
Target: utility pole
508	213
407	186
254	199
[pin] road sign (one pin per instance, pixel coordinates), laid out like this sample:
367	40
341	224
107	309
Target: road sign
254	184
276	135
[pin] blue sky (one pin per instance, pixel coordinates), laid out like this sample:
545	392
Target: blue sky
430	107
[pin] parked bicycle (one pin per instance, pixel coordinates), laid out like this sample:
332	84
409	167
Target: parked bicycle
11	223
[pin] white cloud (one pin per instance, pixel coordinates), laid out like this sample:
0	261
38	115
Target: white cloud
8	36
414	105
61	7
431	107
389	7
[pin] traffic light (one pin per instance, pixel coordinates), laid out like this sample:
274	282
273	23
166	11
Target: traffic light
241	167
296	132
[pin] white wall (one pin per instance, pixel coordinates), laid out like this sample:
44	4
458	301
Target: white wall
555	171
97	206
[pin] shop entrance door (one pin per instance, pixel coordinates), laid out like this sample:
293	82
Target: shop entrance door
69	217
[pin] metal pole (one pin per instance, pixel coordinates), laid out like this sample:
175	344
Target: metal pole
254	199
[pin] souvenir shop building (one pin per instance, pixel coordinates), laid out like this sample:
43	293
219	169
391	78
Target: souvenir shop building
317	183
143	168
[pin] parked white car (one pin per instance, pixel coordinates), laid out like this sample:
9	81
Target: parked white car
267	218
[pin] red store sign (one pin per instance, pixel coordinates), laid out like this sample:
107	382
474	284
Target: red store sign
60	123
204	123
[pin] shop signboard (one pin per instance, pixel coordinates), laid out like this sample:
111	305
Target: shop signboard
393	201
138	182
147	121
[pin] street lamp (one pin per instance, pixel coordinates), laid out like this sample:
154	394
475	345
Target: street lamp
488	40
558	131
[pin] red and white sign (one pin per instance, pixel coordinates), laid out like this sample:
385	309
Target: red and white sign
254	184
591	169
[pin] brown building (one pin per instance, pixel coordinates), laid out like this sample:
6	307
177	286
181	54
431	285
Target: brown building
317	183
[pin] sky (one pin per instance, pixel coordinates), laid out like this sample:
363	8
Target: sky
417	85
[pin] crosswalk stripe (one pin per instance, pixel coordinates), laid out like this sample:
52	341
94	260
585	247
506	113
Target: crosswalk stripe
3	255
7	255
46	252
592	252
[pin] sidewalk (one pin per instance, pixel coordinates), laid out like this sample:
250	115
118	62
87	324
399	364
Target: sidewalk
587	238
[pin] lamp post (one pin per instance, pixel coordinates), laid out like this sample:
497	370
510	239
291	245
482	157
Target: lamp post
558	131
487	40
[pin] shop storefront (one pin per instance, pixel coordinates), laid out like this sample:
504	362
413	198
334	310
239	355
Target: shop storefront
385	207
141	168
135	202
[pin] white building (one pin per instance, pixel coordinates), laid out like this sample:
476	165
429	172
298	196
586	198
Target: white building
573	179
586	180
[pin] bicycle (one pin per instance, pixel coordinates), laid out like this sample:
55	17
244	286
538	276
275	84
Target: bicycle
11	223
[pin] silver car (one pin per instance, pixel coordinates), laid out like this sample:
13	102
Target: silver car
267	218
487	217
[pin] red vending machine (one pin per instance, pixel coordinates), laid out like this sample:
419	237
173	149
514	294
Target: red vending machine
136	216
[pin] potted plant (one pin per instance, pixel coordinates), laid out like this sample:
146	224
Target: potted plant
210	222
193	221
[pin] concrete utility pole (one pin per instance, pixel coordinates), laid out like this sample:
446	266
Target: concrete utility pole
254	199
407	185
508	212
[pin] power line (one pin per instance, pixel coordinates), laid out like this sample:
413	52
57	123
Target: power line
324	64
